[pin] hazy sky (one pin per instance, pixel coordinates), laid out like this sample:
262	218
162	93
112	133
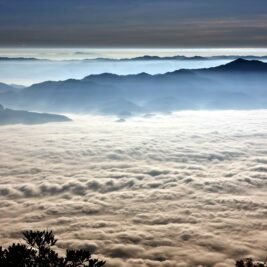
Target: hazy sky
134	23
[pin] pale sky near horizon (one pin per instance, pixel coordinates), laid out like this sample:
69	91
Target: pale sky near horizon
61	53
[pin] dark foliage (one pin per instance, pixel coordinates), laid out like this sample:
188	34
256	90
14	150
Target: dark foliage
248	262
37	252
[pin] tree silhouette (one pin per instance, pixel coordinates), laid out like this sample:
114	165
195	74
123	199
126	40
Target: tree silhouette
248	262
37	252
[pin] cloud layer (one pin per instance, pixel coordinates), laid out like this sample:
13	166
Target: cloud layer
185	189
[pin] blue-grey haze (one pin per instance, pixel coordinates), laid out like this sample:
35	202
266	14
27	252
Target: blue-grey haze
168	23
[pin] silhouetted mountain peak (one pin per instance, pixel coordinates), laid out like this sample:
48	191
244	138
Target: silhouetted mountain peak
241	65
240	61
143	74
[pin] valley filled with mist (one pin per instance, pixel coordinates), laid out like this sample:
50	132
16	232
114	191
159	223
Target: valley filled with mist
144	161
183	189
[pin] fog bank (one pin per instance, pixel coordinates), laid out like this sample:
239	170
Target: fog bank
167	190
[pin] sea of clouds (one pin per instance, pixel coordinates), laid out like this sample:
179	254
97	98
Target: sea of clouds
182	189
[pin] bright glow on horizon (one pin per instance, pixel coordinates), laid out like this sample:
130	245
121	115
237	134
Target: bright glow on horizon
91	53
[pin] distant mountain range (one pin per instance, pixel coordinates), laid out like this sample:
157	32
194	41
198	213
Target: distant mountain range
9	116
173	58
20	59
240	84
141	58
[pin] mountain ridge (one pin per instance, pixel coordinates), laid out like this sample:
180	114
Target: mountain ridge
138	58
235	85
10	116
